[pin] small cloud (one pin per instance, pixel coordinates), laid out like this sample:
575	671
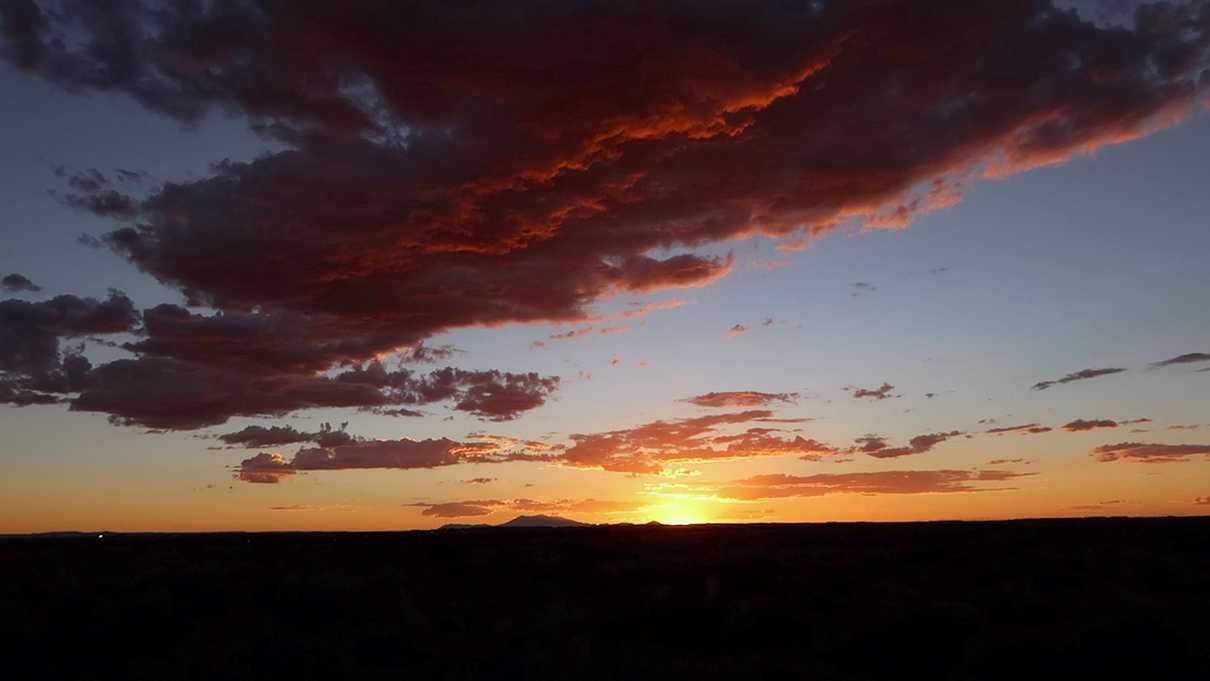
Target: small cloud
1027	429
741	398
1189	358
1148	452
882	392
860	287
1083	425
1082	375
17	283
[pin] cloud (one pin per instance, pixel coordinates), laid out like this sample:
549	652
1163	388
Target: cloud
877	446
480	507
1148	453
1202	501
1082	425
645	449
574	333
741	398
428	354
33	368
780	485
17	283
460	509
1027	429
860	287
409	194
1005	462
167	393
1189	358
882	392
401	454
256	437
1082	375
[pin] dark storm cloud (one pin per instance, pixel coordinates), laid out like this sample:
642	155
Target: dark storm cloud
741	398
570	152
1081	375
1188	358
18	283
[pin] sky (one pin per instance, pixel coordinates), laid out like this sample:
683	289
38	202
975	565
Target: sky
376	266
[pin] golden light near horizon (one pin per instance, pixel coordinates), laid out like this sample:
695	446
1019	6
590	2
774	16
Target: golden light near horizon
680	512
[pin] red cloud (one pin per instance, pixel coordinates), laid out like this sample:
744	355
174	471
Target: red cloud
645	449
541	170
1148	453
1081	425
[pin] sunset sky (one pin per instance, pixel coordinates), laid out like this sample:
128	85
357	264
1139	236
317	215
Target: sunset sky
381	265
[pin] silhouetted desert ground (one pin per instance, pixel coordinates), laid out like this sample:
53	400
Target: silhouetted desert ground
1099	598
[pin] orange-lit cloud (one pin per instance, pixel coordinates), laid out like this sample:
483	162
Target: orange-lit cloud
1082	425
1148	453
779	485
408	194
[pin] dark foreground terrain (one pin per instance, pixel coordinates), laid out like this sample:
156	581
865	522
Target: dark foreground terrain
1105	598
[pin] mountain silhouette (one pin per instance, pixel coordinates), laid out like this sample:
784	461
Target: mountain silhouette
522	521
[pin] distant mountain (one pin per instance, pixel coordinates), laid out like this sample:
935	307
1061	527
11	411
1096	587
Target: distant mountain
542	521
521	521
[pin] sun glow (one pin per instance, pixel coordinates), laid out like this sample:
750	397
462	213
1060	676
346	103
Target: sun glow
679	513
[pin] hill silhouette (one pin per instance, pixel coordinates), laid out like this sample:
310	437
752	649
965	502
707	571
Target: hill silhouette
996	601
521	521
